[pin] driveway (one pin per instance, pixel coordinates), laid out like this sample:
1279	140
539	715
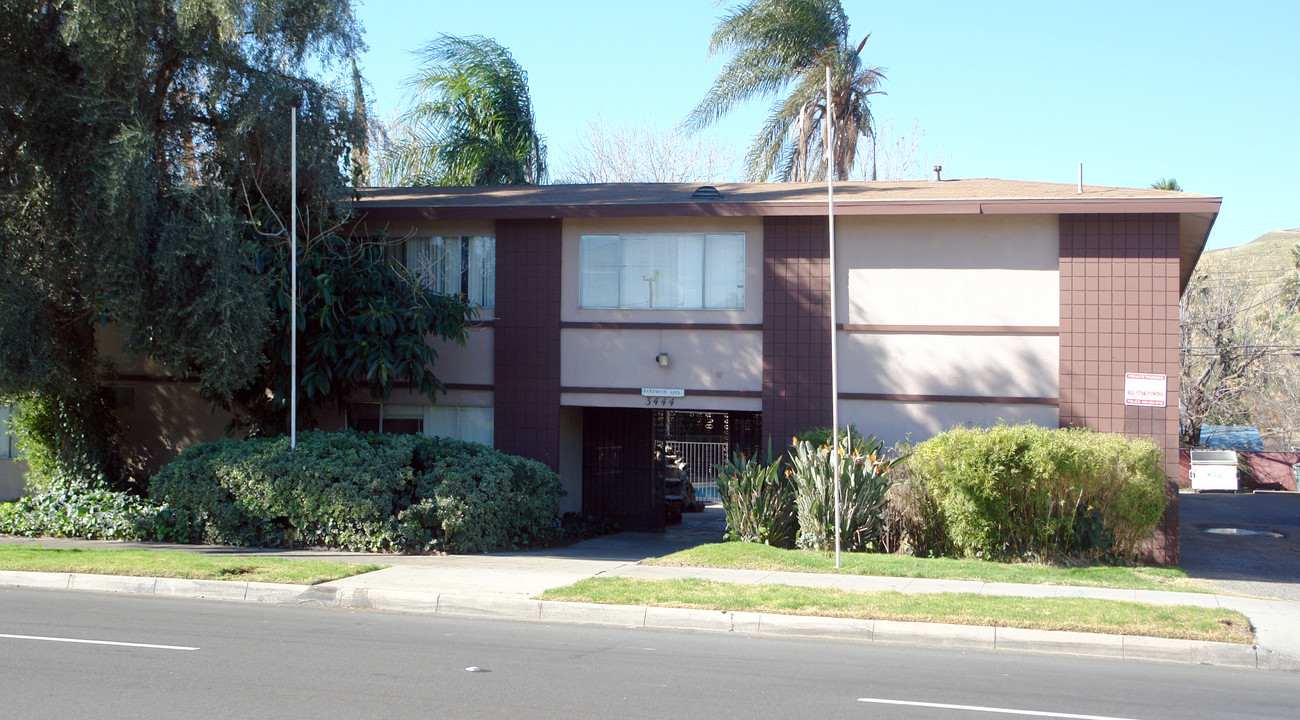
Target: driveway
1243	543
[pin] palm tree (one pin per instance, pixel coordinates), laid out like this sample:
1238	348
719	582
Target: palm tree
778	43
472	123
1166	184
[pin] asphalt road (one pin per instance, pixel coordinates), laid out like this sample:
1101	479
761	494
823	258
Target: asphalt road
1242	543
205	659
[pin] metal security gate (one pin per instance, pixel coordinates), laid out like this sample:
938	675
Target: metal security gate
619	481
700	457
702	440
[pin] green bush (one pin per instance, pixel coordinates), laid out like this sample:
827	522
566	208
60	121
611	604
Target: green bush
1027	491
758	500
864	470
358	491
64	508
76	435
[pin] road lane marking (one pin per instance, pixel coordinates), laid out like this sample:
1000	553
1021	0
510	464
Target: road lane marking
980	708
96	642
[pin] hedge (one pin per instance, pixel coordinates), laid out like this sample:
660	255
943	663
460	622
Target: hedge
1027	491
358	491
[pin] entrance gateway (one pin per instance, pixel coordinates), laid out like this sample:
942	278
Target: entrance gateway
624	451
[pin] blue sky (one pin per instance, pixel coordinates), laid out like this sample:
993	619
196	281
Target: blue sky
1136	91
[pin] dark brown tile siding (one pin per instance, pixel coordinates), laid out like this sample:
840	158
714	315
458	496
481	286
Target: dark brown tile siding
526	364
1119	313
796	344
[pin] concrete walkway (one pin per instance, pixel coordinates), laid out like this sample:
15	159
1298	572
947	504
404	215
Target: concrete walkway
501	585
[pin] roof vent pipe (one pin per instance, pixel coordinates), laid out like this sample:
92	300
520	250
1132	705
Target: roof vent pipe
1080	179
938	169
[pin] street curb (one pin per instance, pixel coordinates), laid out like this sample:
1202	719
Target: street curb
1127	647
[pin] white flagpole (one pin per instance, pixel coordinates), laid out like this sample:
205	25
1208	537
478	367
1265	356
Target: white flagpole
293	276
829	137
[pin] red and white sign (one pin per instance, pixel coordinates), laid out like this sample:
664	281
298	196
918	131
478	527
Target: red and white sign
1145	389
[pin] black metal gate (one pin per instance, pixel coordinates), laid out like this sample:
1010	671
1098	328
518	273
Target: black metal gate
619	481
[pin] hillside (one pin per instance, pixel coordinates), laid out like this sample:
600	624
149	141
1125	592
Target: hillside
1245	284
1270	252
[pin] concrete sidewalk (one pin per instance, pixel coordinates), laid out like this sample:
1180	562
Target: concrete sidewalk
502	585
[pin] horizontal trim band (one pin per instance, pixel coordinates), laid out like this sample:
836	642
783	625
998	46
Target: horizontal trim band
469	386
952	329
754	394
754	327
974	399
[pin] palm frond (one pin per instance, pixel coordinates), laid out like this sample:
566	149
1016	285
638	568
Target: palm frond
474	119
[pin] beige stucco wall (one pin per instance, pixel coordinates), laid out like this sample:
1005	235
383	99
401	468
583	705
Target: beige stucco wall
949	364
164	418
468	364
11	479
698	360
948	270
404	229
571	458
894	421
919	281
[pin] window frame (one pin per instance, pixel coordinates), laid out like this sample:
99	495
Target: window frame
465	256
424	414
6	436
590	247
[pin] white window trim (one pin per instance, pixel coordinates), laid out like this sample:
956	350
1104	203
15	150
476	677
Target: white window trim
584	247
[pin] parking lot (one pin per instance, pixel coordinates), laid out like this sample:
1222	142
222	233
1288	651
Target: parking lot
1243	543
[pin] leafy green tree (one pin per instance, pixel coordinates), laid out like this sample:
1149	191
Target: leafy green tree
473	121
782	43
144	183
362	327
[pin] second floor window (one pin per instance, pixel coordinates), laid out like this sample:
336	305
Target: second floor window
686	271
463	265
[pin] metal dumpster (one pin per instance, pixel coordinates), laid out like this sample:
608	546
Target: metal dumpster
1214	470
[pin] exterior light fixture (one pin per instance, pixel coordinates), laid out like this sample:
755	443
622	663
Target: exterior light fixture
662	359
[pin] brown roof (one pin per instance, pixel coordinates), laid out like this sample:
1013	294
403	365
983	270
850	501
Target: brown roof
738	199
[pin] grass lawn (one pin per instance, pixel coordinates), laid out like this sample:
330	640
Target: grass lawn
1084	615
177	564
754	556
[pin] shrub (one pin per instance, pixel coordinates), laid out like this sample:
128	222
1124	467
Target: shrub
864	478
69	438
913	519
68	508
758	500
1026	491
358	491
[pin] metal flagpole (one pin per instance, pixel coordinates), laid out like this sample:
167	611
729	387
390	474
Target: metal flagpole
829	116
293	276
